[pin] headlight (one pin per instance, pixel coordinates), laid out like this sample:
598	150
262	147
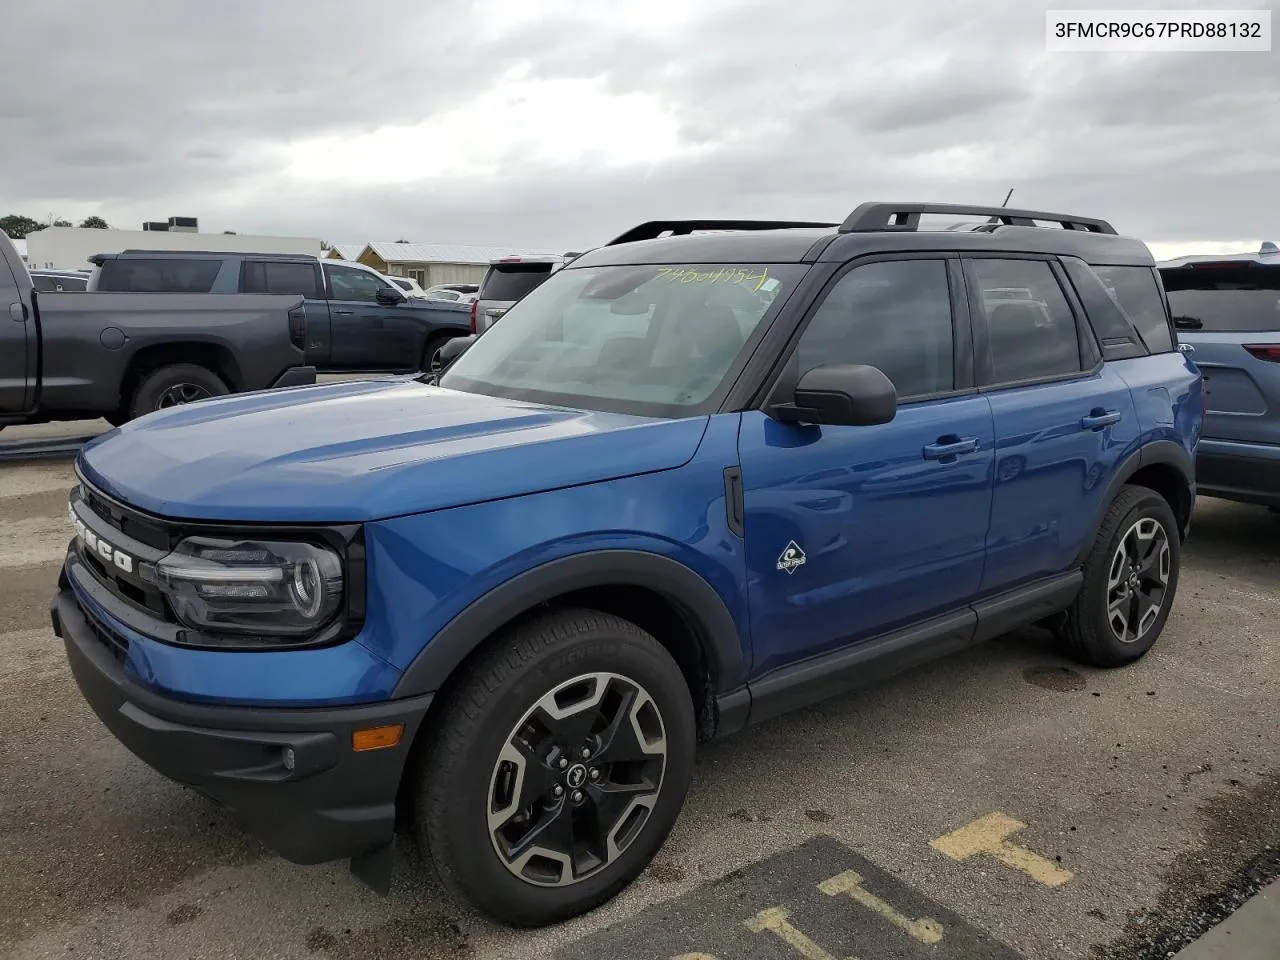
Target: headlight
264	587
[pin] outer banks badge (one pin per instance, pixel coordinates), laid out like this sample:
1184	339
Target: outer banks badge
792	558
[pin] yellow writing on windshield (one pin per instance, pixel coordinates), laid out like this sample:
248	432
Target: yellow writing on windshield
718	275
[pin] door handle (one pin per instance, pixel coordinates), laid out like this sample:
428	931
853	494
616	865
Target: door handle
344	313
948	447
1097	419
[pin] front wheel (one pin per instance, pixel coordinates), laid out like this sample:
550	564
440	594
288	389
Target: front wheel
559	770
1130	579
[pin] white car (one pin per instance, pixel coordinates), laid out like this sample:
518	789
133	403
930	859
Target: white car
409	286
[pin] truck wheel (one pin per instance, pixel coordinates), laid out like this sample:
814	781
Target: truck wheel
431	352
1130	579
174	385
559	767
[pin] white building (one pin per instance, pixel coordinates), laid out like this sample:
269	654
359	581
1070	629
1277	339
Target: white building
432	263
69	248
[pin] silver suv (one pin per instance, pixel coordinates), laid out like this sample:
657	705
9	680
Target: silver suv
507	281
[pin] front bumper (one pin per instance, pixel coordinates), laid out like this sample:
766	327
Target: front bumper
334	802
296	377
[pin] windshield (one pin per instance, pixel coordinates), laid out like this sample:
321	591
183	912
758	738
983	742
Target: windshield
650	340
1224	299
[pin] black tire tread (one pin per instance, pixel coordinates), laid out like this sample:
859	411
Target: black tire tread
1078	636
514	652
139	400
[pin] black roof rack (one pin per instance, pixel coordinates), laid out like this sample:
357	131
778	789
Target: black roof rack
876	217
656	228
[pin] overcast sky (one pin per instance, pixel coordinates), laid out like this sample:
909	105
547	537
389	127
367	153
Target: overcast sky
559	124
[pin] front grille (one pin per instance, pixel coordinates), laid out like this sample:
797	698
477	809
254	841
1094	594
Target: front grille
146	540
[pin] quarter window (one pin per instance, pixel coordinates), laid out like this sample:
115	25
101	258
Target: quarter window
893	315
1030	326
1135	290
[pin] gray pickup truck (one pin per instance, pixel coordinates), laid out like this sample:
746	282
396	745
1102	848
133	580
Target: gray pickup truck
76	356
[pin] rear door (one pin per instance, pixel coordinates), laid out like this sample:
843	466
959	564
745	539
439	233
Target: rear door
1230	313
296	277
1063	419
17	338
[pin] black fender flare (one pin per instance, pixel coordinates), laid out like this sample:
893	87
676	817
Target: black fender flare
1165	452
693	595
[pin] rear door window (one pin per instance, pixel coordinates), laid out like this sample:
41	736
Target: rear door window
130	275
265	276
1030	327
1230	299
512	281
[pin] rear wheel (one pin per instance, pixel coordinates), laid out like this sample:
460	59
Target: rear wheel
560	768
431	352
1130	579
175	385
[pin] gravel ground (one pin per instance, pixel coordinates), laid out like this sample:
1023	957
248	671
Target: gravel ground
1157	787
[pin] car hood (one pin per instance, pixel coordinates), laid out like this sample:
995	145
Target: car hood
365	450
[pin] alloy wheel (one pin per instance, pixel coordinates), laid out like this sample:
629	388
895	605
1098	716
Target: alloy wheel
1138	580
179	394
577	779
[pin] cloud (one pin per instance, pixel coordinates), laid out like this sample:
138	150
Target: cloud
552	123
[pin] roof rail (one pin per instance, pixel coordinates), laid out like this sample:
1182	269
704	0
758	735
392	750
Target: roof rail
656	228
870	217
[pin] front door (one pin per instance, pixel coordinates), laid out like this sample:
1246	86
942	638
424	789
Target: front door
1063	420
854	531
17	353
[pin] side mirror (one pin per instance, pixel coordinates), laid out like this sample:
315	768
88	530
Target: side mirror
851	395
390	296
454	348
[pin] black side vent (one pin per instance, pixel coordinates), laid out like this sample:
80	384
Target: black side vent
734	507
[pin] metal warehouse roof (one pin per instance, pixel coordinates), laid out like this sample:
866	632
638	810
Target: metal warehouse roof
451	252
349	251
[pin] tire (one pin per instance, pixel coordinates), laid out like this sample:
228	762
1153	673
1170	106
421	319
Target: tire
1138	520
162	388
473	767
433	346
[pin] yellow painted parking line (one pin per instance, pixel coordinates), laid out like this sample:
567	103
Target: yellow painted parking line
990	835
925	930
775	920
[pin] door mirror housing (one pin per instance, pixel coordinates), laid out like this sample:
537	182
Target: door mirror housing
390	296
846	394
455	348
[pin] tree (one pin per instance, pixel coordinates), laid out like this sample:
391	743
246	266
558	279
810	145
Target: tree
326	245
18	226
95	223
58	222
228	233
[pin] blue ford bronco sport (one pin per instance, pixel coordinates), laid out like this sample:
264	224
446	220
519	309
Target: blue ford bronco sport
707	473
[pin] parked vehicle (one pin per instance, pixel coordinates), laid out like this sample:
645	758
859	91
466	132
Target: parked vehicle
1228	310
506	282
59	281
408	285
76	356
688	483
357	319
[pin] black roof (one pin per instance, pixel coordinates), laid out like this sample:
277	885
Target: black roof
99	258
869	228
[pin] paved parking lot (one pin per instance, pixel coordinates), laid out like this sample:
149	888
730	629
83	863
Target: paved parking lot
1003	803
